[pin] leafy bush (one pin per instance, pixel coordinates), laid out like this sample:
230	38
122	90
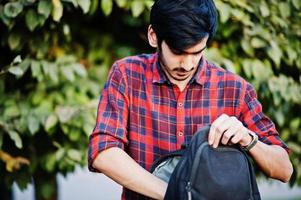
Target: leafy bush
55	56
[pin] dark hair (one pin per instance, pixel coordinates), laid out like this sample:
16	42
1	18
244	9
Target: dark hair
183	23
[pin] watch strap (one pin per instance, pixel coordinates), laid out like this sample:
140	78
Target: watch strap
252	143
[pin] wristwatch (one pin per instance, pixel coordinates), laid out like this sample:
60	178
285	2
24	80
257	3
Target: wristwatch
252	143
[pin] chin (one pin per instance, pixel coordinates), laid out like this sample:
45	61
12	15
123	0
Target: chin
181	78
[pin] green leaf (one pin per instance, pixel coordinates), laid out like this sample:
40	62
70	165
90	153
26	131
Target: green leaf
260	71
295	123
79	69
297	4
285	10
74	154
246	46
14	40
47	190
16	71
137	7
53	72
33	124
280	118
65	128
247	67
106	6
51	121
36	70
88	127
13	9
292	54
6	20
23	65
37	98
57	11
64	113
295	147
264	9
121	3
16	138
42	20
84	4
59	153
45	66
68	73
12	111
32	20
44	8
50	163
224	11
285	134
275	53
17	60
257	42
74	135
148	3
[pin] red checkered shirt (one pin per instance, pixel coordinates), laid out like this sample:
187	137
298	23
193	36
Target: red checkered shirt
142	112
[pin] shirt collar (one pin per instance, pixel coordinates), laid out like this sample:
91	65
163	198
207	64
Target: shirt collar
160	77
200	75
158	74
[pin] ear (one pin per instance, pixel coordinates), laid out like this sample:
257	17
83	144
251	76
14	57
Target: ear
152	37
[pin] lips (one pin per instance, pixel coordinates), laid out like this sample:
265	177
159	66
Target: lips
181	74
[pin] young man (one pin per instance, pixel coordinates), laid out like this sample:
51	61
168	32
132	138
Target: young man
151	104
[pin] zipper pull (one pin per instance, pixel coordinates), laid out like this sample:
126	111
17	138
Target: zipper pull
188	189
188	186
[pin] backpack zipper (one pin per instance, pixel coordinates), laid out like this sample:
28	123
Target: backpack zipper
196	161
188	189
194	167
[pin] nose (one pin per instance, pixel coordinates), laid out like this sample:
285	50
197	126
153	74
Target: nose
187	62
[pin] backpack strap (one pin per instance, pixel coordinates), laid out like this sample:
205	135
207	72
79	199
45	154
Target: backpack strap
255	191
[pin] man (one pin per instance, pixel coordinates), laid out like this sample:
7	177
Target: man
151	104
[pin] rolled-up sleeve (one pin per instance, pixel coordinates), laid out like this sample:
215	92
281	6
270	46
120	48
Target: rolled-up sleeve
112	115
255	120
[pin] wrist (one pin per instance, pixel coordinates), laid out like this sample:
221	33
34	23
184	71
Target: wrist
247	139
251	143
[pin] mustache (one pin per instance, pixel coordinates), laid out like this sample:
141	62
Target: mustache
182	70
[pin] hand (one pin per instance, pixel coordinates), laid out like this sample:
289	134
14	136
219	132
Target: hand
228	130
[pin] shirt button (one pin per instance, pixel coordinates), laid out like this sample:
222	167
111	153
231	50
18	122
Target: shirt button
180	133
180	104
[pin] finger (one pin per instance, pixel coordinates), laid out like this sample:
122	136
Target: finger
239	136
213	128
228	134
222	128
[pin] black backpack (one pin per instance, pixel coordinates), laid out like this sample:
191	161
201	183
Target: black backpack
200	172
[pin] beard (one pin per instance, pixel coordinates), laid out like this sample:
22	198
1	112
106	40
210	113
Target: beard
178	73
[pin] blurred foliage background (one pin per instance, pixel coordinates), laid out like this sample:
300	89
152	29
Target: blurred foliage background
55	56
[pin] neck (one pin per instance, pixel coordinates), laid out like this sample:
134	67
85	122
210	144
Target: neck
181	84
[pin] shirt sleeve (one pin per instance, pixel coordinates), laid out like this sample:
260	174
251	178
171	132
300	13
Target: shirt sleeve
253	118
112	114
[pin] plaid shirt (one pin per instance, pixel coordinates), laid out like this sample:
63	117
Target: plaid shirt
142	112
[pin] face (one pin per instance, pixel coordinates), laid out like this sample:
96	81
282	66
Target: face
181	66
